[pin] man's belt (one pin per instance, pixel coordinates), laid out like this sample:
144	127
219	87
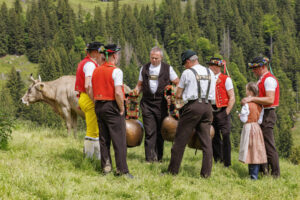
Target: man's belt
153	77
216	109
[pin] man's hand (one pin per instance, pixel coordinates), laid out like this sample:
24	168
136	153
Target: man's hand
246	100
122	112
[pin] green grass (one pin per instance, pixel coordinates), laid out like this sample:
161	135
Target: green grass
46	164
89	5
20	63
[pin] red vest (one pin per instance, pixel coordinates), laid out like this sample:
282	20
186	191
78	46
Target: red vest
103	83
80	76
262	91
222	98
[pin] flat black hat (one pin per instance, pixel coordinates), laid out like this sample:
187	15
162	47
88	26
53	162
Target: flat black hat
215	61
94	46
186	55
258	62
111	48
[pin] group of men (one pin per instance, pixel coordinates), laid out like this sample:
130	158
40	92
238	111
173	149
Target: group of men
208	97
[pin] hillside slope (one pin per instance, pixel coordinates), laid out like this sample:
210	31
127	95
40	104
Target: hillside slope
89	5
20	63
45	164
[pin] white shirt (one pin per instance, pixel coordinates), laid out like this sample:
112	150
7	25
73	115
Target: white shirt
270	83
245	113
89	68
117	76
228	82
189	83
154	70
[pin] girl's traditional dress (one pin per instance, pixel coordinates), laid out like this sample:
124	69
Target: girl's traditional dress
252	146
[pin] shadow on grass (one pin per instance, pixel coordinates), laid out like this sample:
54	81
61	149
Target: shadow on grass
79	161
240	170
190	171
135	156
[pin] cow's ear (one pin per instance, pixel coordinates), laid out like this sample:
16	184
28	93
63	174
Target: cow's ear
40	87
46	90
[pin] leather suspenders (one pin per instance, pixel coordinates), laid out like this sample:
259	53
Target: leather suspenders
202	77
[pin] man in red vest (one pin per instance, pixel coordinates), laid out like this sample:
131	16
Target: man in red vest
268	97
83	86
107	82
225	99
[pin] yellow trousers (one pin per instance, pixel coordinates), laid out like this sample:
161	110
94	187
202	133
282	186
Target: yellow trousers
88	107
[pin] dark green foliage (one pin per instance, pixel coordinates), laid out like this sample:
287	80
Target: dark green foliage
6	125
43	115
15	87
3	30
284	115
295	156
15	29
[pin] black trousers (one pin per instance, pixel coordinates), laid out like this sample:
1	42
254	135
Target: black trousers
222	146
112	127
267	126
198	116
154	111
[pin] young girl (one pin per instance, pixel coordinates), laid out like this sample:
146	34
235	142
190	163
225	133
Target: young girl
252	146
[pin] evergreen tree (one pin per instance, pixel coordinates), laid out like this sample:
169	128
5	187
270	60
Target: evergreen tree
35	41
15	86
18	7
3	36
16	33
50	65
80	46
98	28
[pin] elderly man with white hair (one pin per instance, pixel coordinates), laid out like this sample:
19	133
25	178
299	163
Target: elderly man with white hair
154	77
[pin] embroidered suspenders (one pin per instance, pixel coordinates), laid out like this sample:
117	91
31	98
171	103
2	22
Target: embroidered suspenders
199	78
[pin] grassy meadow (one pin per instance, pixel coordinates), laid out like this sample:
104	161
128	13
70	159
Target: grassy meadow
89	5
47	164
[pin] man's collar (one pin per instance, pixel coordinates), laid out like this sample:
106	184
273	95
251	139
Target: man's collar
155	66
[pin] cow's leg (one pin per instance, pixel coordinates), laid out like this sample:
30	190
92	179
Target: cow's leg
68	119
74	122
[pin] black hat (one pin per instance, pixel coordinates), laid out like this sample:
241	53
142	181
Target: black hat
258	62
94	46
111	49
215	61
186	55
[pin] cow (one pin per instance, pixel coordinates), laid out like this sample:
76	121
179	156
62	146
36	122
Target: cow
60	95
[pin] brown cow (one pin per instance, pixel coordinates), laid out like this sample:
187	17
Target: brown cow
60	95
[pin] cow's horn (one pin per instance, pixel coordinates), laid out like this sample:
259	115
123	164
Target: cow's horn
31	78
40	79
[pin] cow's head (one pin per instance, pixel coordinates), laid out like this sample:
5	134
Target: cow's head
36	91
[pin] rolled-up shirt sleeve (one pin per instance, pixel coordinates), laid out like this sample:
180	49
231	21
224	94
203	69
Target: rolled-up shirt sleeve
270	84
140	75
261	116
182	81
173	74
117	76
244	113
